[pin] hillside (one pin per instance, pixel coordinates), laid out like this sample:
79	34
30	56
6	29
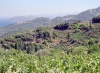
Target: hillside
38	22
88	14
63	48
61	36
83	16
26	23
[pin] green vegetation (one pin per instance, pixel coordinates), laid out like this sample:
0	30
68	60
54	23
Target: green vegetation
15	61
44	38
61	26
96	19
51	50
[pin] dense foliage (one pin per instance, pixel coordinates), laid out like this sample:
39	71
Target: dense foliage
61	26
96	19
58	62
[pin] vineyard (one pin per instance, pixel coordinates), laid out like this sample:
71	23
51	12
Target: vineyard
14	61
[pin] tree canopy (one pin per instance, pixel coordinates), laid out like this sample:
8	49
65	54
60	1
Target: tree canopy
61	26
96	19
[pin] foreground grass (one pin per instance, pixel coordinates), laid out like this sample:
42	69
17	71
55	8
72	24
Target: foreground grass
58	62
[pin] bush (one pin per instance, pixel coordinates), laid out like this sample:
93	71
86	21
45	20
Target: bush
46	43
39	47
55	34
80	50
42	53
94	48
76	31
83	27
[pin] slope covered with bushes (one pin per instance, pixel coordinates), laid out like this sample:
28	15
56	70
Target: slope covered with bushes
49	50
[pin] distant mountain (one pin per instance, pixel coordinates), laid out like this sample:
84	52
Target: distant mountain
32	22
58	20
88	14
14	20
22	18
83	16
38	22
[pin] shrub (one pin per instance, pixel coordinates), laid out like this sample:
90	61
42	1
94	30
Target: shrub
39	47
80	50
55	34
83	27
42	53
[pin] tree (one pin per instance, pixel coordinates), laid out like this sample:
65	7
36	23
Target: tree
96	19
46	35
17	46
90	24
68	36
30	48
83	27
62	26
90	43
42	33
55	34
39	47
46	43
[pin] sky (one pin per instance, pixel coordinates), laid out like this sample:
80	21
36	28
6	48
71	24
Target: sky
10	8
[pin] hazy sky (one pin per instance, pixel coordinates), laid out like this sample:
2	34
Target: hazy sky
9	8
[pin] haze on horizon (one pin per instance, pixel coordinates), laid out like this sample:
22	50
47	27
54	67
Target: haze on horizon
10	8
